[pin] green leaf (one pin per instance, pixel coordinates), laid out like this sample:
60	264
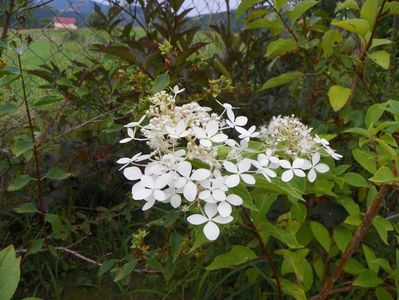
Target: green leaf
355	179
9	272
106	266
57	173
382	294
348	4
7	108
293	290
358	131
125	270
46	100
55	222
356	25
21	146
321	234
367	279
369	11
280	47
273	26
374	113
299	9
381	58
338	96
36	246
366	159
160	83
237	255
382	226
281	79
370	258
330	38
244	6
19	183
379	42
342	237
242	191
26	208
384	174
176	244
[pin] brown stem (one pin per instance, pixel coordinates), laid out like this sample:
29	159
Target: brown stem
40	201
6	20
266	251
344	289
357	238
362	58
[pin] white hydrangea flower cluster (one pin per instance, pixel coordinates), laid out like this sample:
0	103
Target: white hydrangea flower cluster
195	157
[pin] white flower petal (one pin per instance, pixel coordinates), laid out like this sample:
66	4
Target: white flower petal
316	158
285	164
197	219
298	163
204	195
206	143
234	200
163	181
190	191
212	128
199	132
159	195
180	182
132	173
149	204
232	180
312	175
248	179
224	209
299	173
211	231
287	176
322	168
241	121
230	115
184	168
210	210
219	195
141	194
219	138
244	165
200	174
126	140
306	164
230	167
175	200
123	161
223	220
148	181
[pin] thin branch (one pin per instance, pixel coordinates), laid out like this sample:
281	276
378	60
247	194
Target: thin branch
372	211
344	289
6	20
266	251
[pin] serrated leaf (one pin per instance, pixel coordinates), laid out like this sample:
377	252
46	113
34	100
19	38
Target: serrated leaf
356	25
57	173
381	58
19	182
281	79
338	96
237	255
280	47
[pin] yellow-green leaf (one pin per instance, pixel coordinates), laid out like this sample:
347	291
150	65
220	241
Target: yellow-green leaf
321	234
279	47
281	79
381	58
237	255
299	9
384	174
356	25
329	39
369	11
338	96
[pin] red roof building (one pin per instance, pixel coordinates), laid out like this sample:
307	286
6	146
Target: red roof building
64	23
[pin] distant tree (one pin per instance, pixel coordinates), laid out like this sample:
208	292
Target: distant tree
45	21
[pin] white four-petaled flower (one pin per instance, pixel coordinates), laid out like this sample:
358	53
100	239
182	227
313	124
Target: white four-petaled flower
292	169
186	182
211	230
314	165
239	171
210	134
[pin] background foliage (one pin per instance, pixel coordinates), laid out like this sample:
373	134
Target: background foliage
67	211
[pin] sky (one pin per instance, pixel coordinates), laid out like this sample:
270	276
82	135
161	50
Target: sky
203	6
